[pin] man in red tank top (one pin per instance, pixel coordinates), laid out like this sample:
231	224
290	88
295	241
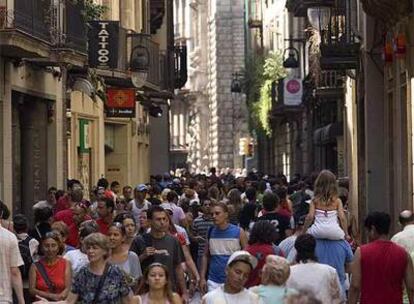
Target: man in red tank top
381	267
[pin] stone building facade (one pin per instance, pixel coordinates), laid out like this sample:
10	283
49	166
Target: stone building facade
216	119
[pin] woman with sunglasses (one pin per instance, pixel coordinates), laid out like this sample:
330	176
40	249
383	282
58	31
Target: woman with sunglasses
51	276
156	286
120	256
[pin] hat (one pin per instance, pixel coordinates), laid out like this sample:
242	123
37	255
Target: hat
141	188
243	256
167	207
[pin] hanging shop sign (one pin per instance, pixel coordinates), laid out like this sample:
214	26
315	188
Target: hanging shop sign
292	91
120	103
103	39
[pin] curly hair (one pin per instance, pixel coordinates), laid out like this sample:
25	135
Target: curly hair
305	245
276	271
263	232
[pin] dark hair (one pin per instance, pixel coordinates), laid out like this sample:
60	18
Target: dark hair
154	209
120	226
20	223
114	184
71	182
51	189
263	232
42	215
281	192
103	182
4	211
250	193
270	201
120	218
109	203
171	196
305	245
54	235
87	228
144	287
380	220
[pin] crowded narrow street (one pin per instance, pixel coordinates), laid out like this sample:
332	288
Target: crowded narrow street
207	151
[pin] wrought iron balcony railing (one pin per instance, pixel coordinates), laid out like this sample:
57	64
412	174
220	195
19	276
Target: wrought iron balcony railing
28	17
331	84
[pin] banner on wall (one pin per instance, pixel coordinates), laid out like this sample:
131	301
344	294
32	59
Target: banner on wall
120	103
292	91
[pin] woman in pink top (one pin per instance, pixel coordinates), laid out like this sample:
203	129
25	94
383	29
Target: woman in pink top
156	287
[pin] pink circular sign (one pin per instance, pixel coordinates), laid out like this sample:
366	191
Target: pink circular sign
293	86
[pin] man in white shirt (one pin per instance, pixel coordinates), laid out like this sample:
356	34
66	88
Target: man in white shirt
238	269
10	261
139	203
50	200
405	238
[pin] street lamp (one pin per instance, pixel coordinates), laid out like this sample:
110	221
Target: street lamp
292	61
139	62
236	86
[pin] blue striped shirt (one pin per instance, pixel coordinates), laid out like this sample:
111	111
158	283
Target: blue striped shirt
222	244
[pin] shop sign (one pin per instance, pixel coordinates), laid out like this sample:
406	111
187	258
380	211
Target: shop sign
120	103
84	136
292	91
103	39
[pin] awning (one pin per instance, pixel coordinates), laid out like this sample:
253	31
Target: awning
328	133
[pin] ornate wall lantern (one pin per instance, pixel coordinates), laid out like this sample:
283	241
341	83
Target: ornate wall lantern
139	62
236	85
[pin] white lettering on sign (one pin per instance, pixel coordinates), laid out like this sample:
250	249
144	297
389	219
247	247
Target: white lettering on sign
103	50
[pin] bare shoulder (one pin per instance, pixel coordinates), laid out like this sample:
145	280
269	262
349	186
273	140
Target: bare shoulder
176	299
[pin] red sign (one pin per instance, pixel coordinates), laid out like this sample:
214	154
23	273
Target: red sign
120	102
293	86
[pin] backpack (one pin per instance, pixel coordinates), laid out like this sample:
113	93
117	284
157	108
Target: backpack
26	256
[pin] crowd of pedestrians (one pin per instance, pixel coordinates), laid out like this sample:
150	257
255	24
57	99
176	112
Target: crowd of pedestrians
245	240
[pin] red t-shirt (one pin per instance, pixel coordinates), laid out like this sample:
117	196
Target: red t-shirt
383	265
260	251
103	226
65	216
73	237
56	274
62	203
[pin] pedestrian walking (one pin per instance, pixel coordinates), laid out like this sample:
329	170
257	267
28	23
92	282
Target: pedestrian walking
381	267
261	244
158	246
51	276
237	271
309	275
273	288
156	286
126	260
10	261
223	239
405	238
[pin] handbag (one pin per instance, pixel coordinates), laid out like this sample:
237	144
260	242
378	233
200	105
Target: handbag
100	284
42	270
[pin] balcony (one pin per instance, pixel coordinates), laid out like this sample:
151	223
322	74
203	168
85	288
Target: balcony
331	84
299	7
32	29
23	30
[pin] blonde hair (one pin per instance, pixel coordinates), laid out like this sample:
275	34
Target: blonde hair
61	227
276	271
326	187
97	239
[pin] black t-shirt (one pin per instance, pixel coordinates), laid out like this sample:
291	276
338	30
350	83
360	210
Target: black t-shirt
169	253
281	223
247	215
